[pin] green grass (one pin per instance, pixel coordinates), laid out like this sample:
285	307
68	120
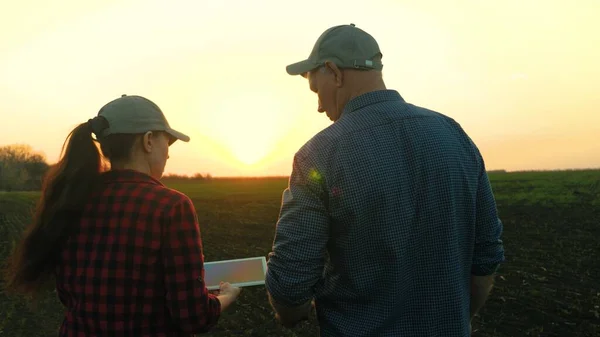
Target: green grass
549	286
548	189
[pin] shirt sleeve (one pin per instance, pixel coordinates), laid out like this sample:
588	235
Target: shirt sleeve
296	263
192	307
489	250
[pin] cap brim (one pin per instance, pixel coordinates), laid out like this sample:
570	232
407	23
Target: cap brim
302	67
178	135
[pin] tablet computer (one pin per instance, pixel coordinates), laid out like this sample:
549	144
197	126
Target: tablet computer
239	272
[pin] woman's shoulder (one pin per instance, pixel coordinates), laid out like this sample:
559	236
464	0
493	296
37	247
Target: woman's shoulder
136	185
174	196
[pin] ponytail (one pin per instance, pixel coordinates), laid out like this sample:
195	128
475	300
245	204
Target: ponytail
65	190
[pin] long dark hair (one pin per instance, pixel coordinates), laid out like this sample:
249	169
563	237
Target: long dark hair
65	190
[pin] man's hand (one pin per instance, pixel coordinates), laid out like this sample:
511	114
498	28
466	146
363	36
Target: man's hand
288	323
289	317
480	290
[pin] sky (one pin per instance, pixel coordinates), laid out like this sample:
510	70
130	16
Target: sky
521	77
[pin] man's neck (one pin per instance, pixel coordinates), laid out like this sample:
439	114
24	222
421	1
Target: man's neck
366	83
366	90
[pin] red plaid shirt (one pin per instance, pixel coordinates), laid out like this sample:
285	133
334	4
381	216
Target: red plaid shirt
134	264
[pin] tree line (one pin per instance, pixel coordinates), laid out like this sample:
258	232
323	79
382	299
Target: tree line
23	169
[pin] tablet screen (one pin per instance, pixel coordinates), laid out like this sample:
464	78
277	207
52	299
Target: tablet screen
239	272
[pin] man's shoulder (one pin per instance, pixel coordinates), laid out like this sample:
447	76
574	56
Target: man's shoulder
421	111
428	112
321	142
326	140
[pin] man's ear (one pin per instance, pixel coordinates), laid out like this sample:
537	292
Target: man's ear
147	140
337	73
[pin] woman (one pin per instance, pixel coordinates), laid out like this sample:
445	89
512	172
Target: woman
125	250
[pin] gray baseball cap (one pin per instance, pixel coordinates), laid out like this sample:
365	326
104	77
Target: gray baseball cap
346	46
136	114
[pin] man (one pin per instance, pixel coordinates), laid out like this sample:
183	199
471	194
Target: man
389	222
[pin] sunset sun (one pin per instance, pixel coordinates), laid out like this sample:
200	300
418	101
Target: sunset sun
249	134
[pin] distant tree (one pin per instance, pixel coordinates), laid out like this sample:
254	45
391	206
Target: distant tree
184	177
173	176
21	168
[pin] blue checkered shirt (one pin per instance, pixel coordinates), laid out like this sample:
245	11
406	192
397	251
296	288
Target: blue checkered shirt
388	213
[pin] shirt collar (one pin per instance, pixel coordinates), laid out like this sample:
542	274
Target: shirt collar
128	176
370	98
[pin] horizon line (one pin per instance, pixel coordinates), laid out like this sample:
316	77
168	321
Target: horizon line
209	176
